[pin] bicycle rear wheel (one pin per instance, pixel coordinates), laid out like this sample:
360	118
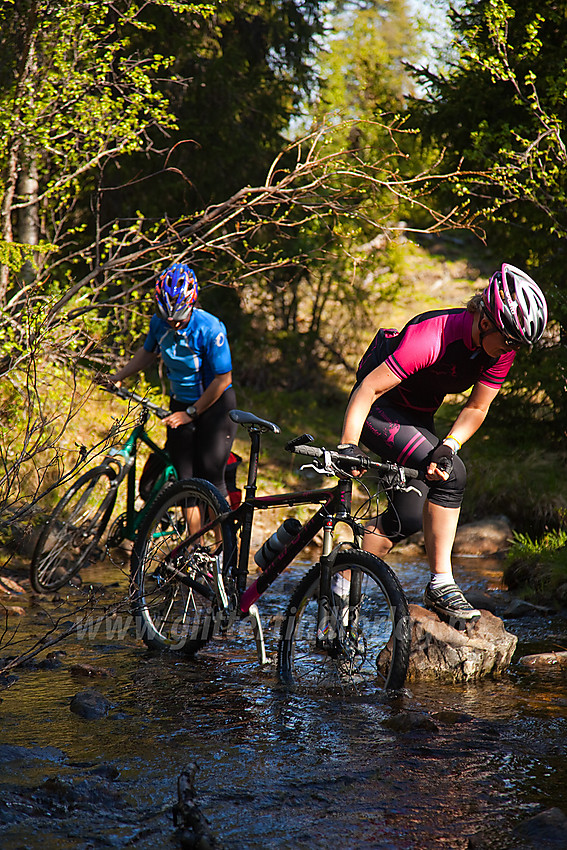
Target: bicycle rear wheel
70	539
173	586
371	649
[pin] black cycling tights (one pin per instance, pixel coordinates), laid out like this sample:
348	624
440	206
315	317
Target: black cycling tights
201	449
408	438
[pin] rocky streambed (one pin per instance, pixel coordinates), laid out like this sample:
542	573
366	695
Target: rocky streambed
96	732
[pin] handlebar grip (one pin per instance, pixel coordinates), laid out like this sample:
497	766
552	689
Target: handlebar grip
301	449
298	441
355	462
339	460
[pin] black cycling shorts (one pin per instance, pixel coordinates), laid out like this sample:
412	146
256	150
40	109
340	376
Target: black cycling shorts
408	438
200	449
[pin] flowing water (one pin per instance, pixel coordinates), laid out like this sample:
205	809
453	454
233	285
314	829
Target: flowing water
429	770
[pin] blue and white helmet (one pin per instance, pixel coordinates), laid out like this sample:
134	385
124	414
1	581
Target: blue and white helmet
176	292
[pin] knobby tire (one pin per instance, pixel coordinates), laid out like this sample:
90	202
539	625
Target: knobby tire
172	587
71	536
373	640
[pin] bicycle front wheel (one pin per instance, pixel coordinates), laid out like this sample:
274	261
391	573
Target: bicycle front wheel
70	540
174	587
371	620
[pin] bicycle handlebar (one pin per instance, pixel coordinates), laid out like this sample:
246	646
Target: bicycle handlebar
158	411
344	461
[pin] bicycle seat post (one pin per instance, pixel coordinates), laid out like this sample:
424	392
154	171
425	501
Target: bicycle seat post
253	464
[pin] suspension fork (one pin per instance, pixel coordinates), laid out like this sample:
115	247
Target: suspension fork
327	626
326	629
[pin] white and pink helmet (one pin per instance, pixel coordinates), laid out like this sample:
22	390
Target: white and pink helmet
515	304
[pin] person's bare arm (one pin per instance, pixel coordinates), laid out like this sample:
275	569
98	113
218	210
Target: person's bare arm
378	382
213	392
140	360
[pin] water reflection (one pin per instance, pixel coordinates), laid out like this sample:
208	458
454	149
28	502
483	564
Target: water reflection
276	770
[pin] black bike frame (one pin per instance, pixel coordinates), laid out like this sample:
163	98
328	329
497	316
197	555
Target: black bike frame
336	507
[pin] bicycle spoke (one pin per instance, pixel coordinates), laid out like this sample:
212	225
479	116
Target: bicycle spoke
371	641
71	537
173	581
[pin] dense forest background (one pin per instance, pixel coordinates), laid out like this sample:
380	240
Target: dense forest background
293	153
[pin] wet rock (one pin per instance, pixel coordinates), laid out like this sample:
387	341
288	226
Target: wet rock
481	600
440	651
9	586
411	721
90	670
106	771
544	661
521	608
15	611
488	536
15	752
450	716
90	704
52	661
545	830
193	830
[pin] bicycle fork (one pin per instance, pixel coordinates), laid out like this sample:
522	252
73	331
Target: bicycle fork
327	627
331	624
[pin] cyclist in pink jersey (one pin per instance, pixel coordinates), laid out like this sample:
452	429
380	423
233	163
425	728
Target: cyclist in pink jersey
402	381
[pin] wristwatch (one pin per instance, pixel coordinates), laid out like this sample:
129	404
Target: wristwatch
191	411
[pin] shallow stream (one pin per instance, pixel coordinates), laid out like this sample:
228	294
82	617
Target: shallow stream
447	766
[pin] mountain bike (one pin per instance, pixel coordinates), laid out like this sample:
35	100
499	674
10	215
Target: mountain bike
347	623
72	536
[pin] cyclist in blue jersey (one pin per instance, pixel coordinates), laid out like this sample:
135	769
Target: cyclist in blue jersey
194	348
402	381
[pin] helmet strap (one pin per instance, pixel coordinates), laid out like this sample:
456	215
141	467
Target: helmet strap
492	329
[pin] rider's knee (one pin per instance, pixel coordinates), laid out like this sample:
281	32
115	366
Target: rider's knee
450	493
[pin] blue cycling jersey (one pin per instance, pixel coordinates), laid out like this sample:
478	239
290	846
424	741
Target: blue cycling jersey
192	356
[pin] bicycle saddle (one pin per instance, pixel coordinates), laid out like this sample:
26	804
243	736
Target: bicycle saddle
251	421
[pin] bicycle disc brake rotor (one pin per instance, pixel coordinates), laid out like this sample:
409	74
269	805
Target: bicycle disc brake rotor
117	531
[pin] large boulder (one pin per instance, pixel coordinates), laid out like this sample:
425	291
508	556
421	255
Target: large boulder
483	538
439	651
488	536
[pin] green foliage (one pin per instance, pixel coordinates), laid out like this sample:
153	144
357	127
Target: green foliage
544	548
363	64
537	567
15	254
237	79
499	109
107	99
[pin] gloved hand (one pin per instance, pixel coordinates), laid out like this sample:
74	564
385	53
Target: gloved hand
351	450
442	457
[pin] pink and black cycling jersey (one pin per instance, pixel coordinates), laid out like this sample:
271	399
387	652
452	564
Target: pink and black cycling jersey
433	356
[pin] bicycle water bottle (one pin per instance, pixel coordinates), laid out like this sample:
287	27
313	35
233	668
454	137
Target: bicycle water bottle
278	541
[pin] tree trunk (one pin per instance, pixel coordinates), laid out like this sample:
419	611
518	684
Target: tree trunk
7	234
28	216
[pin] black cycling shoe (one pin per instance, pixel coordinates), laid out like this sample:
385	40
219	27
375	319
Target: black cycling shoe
449	602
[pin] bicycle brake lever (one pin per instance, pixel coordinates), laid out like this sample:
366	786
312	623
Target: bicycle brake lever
315	468
325	466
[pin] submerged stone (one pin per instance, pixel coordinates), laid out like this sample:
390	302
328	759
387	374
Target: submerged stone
90	704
